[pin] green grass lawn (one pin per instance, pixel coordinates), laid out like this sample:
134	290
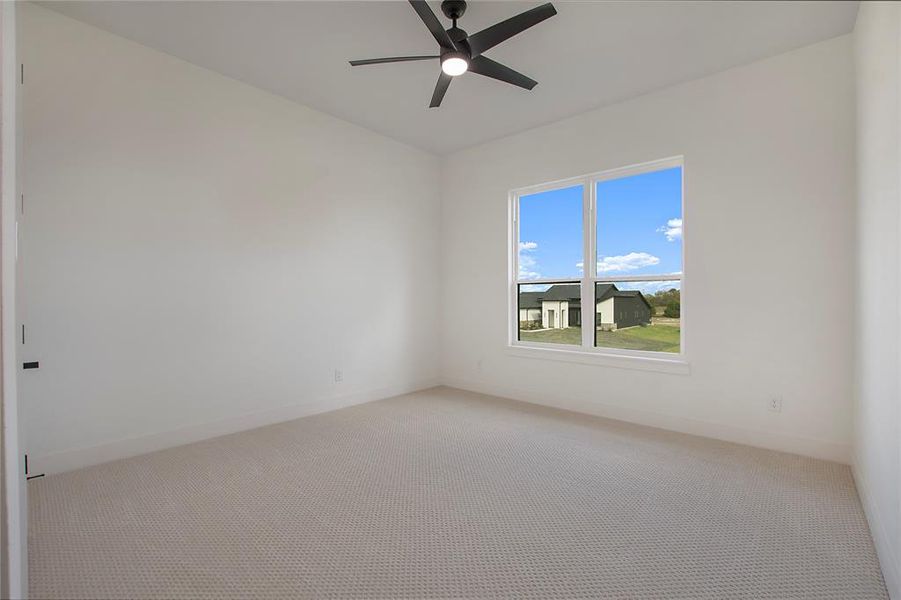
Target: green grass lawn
655	338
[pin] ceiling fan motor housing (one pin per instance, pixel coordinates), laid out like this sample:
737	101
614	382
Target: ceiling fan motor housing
453	9
458	37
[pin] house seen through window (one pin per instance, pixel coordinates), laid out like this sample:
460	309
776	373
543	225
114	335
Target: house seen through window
628	299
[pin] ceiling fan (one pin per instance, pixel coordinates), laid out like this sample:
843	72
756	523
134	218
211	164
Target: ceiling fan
460	52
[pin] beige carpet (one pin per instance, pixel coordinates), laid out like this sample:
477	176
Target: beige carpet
448	494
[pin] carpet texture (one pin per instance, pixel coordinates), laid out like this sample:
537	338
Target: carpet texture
449	494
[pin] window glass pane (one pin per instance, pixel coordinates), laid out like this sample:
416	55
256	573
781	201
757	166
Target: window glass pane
550	234
639	224
638	315
550	314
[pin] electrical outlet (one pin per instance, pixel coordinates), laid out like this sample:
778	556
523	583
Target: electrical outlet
775	404
339	376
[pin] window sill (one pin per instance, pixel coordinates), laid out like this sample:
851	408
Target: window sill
677	365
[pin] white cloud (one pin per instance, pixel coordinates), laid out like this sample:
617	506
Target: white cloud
527	266
672	230
626	262
527	263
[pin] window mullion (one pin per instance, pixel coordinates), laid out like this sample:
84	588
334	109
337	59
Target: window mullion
513	325
628	278
588	264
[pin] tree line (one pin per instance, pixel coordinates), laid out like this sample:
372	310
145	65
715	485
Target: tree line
670	300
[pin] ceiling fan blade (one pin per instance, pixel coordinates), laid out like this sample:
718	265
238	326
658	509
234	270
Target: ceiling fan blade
390	59
494	35
489	68
431	21
440	88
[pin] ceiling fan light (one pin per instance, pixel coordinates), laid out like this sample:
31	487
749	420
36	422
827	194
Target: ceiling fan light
454	64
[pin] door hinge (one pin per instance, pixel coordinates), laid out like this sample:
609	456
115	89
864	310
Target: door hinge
22	73
23	334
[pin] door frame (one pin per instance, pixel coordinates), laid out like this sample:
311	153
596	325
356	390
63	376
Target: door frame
14	582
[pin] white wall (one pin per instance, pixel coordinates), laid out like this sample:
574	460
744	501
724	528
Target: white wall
877	447
199	255
605	309
560	308
769	213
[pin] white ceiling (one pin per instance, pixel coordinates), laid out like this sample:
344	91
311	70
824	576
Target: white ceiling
589	55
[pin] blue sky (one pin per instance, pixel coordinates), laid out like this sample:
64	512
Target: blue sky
639	228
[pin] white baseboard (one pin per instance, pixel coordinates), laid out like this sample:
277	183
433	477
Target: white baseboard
887	559
814	448
69	460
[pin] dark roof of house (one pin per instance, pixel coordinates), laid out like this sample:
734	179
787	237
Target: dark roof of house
530	299
604	291
571	292
616	293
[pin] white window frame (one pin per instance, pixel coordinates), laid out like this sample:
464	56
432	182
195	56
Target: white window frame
587	352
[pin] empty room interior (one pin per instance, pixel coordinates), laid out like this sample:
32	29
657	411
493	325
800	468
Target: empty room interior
447	299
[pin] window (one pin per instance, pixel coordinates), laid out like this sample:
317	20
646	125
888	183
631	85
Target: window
550	227
629	222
